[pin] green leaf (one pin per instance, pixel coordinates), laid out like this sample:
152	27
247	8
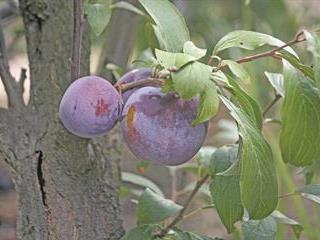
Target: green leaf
311	197
177	234
276	80
153	208
313	189
247	103
98	16
314	47
238	70
258	181
300	138
283	219
170	29
169	60
248	40
192	80
127	6
209	104
139	233
225	190
141	181
294	61
193	50
264	229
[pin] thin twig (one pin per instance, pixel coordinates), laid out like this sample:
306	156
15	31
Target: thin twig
10	85
185	207
77	37
270	105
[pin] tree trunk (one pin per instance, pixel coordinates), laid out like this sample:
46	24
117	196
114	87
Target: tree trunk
67	186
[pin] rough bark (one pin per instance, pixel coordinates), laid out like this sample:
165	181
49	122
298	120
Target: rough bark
67	186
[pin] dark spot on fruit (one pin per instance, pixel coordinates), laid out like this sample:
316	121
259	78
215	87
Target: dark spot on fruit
241	43
101	107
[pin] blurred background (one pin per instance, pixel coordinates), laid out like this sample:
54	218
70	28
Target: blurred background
208	21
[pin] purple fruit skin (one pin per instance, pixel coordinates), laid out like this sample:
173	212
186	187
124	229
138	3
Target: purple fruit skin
133	76
90	107
157	127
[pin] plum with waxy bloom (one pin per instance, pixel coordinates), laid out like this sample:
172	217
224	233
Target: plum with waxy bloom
90	107
157	126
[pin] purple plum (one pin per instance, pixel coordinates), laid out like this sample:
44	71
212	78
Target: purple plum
90	107
157	126
134	76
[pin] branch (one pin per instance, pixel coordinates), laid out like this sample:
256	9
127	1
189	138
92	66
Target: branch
180	216
12	88
77	37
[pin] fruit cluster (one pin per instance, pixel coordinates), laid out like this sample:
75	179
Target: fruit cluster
156	126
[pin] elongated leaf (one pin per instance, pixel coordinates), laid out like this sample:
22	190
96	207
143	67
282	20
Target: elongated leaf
294	61
98	16
276	80
283	219
209	104
311	197
153	208
193	50
141	181
171	29
248	40
192	79
139	233
238	70
258	181
264	229
247	103
225	190
168	59
300	138
314	47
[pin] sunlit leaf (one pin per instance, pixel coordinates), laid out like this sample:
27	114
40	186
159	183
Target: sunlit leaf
170	27
248	40
169	60
193	50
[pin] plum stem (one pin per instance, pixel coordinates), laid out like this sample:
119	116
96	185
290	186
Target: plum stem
77	39
180	216
144	82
